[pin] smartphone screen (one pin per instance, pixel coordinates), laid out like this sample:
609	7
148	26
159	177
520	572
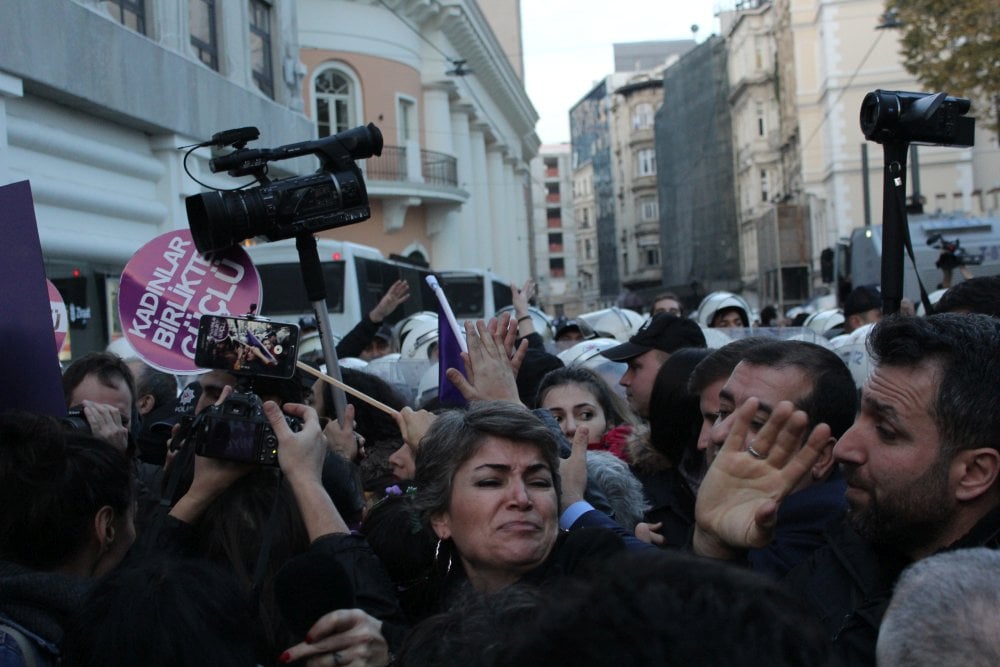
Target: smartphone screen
247	346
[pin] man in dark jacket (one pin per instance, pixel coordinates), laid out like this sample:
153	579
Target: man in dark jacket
921	464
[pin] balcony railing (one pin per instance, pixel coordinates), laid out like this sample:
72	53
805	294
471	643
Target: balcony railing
439	168
436	168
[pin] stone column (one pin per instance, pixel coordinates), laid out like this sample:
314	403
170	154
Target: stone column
465	240
500	232
437	120
482	227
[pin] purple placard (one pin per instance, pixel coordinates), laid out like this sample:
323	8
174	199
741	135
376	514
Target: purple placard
166	288
29	364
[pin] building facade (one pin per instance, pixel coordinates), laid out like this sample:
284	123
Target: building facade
842	51
97	96
555	252
699	234
452	187
775	249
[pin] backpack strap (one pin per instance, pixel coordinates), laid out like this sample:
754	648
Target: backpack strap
29	651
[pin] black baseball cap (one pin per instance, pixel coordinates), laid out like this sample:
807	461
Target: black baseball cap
664	332
861	300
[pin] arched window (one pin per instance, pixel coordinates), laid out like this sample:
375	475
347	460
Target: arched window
337	97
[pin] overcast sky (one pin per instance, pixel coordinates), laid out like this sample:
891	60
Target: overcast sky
568	46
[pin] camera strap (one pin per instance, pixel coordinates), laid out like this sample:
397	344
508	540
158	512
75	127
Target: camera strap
908	244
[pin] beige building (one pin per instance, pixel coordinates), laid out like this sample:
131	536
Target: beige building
554	253
775	253
799	70
585	215
451	187
841	54
633	109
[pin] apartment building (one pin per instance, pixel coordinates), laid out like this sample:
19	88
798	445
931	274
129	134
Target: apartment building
554	250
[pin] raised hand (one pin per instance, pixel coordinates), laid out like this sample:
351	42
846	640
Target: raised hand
413	425
573	470
397	294
490	370
738	500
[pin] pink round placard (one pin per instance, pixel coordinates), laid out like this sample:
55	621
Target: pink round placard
167	286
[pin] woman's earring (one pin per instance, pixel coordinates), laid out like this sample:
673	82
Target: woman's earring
437	556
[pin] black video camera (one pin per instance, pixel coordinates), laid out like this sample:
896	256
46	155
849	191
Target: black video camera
953	254
921	118
238	430
332	197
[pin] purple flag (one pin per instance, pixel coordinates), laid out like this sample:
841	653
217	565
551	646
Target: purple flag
450	348
29	364
449	356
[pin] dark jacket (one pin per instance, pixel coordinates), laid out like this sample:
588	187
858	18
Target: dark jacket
357	339
849	582
804	518
39	604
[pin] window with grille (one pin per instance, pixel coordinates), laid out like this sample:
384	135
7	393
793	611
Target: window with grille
130	13
260	46
202	24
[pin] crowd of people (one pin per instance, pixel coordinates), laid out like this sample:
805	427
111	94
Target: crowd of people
738	504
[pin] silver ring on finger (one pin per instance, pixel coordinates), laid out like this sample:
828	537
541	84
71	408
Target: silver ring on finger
336	660
754	453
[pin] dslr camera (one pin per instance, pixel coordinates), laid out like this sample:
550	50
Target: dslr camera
237	429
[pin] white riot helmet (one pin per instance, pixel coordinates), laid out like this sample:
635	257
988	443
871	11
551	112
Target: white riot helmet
825	320
853	349
587	353
427	388
618	323
417	333
933	297
717	301
542	323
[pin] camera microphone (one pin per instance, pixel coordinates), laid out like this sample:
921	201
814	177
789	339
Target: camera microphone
237	137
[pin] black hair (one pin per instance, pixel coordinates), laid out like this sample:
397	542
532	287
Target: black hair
381	432
834	396
161	386
163	612
231	534
966	350
720	363
976	295
405	545
53	481
669	608
674	416
473	631
108	368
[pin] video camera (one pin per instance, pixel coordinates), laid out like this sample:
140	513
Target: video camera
237	429
334	196
923	118
952	253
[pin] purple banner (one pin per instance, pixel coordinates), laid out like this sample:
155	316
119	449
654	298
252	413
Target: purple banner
166	288
29	364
